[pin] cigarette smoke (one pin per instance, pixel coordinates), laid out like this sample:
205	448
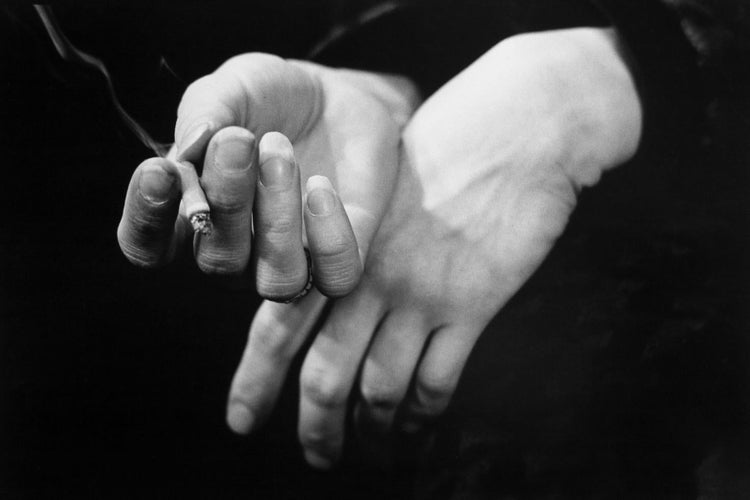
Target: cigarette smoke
70	53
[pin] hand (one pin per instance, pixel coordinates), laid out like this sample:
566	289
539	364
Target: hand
490	170
344	125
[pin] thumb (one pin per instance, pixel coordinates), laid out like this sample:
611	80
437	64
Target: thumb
259	92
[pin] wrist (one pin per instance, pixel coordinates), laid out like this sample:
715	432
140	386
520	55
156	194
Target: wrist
594	105
555	108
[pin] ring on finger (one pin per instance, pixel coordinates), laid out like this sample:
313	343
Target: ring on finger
308	286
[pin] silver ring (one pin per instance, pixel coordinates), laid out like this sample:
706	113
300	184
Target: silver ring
309	284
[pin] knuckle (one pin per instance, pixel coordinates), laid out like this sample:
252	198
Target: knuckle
323	388
241	63
208	99
380	395
269	339
277	229
335	249
434	391
236	133
231	201
195	93
202	84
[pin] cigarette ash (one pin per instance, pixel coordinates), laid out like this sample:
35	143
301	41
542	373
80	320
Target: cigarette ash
201	223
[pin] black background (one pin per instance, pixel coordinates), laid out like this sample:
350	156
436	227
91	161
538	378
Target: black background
620	370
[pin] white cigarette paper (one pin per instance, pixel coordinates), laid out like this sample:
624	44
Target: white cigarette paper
193	198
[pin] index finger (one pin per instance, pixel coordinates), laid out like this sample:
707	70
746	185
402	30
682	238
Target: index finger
259	92
146	232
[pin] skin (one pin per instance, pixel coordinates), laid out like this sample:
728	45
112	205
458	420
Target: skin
318	128
489	171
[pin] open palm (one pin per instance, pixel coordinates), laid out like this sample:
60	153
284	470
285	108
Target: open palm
489	173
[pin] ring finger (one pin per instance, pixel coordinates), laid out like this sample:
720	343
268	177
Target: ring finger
388	369
329	371
281	269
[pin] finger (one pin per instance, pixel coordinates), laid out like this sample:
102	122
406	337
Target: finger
365	170
337	266
281	265
259	92
388	369
229	183
277	332
438	375
328	374
146	232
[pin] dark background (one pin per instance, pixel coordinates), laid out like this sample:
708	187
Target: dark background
621	370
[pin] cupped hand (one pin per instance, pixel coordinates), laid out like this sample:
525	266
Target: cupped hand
335	132
490	170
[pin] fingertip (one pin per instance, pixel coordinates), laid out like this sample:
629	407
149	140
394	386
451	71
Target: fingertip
315	182
240	419
229	184
230	150
318	461
279	174
158	183
337	266
145	232
275	145
281	267
157	161
321	201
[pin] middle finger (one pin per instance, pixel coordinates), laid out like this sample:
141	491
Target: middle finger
229	182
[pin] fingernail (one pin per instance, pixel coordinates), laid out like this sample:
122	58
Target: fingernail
276	172
321	201
156	184
321	197
240	419
275	145
191	147
318	461
234	154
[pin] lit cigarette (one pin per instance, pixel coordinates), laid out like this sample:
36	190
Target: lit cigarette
193	198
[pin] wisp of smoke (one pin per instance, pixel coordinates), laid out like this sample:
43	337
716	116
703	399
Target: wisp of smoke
70	53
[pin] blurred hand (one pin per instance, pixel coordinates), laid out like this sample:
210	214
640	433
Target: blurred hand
490	170
334	131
